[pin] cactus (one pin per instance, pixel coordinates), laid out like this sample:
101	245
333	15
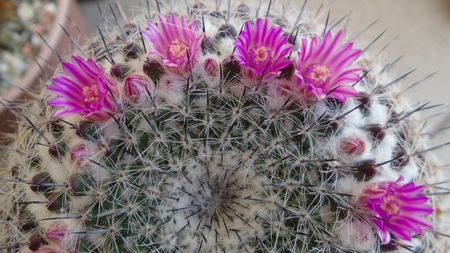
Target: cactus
202	129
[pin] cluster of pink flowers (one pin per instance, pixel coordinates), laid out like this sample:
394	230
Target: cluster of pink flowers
398	210
323	68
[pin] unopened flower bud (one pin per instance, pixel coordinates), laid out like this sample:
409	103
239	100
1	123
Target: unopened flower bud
231	69
132	51
376	131
78	154
153	69
56	231
207	44
36	241
242	10
287	71
391	246
401	158
87	131
79	183
15	171
56	202
56	128
56	151
120	71
357	235
41	182
48	249
365	100
226	30
25	222
366	170
135	86
211	67
352	146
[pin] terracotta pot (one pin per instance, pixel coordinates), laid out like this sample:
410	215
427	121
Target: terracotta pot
32	79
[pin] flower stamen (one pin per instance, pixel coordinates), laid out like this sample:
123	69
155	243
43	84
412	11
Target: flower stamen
320	73
261	54
178	49
390	205
91	94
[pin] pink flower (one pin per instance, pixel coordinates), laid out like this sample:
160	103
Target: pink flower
262	49
78	154
56	232
323	68
134	87
83	89
175	41
398	210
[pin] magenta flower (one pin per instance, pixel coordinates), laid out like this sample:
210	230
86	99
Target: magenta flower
398	210
175	41
262	49
83	89
134	86
323	68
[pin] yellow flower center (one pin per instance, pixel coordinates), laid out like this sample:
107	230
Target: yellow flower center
178	49
91	94
261	54
390	205
320	73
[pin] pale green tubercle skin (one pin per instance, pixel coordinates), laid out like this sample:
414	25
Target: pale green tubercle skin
194	166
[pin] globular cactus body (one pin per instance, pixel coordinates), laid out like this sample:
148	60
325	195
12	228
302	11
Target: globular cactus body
210	133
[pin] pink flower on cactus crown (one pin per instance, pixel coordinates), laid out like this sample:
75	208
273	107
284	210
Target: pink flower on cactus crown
323	68
83	89
175	41
398	210
262	49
